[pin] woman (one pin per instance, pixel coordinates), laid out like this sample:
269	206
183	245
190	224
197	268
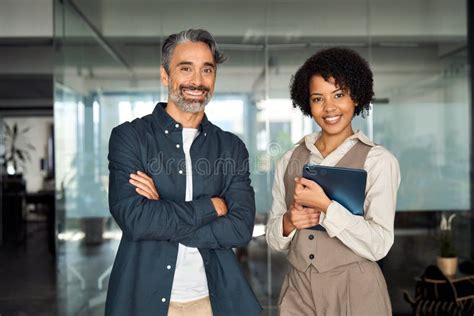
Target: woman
333	269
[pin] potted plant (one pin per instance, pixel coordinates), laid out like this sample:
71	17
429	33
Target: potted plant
17	148
447	260
16	153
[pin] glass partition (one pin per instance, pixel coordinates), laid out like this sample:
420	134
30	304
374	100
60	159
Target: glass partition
107	72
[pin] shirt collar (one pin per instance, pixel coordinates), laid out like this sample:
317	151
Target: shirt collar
310	139
362	137
166	122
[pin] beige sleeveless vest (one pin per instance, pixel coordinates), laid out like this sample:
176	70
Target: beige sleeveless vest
312	247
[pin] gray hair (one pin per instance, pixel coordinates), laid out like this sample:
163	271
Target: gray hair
191	35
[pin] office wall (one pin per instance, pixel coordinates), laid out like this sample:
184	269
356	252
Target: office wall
26	18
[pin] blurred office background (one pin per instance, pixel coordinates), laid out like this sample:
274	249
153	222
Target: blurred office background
71	70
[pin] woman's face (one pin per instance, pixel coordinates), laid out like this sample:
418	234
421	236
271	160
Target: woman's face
331	107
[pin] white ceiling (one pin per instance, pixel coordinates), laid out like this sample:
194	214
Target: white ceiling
248	20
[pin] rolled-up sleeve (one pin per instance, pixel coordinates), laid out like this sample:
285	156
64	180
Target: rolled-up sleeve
371	236
274	229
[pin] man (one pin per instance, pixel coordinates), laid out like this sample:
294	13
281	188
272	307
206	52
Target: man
180	191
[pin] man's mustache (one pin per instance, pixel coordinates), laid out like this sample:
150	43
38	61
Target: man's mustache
201	88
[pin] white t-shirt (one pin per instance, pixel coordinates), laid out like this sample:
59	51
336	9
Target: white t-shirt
190	282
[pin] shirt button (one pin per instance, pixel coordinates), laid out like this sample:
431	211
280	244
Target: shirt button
166	132
177	146
163	299
168	267
177	126
180	171
311	237
311	256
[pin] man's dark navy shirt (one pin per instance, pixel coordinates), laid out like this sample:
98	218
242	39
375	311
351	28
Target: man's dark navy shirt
142	275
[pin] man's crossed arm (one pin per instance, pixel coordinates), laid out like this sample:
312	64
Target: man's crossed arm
218	222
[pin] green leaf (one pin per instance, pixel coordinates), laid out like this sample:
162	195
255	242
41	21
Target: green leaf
20	155
26	129
31	146
27	155
8	129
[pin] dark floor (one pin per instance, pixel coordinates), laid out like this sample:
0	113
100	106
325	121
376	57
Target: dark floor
28	276
32	284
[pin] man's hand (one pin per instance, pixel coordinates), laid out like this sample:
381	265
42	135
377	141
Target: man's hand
299	217
310	194
219	205
144	185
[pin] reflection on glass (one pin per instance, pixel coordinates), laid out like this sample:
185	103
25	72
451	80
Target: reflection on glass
420	113
425	124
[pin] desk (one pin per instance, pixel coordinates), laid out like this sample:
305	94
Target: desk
13	195
46	199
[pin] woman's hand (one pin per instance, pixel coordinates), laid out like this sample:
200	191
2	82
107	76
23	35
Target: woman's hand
310	194
299	217
144	185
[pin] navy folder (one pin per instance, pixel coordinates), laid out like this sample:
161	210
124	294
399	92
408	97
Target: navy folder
343	185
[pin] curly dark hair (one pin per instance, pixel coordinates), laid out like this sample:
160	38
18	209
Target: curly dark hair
349	70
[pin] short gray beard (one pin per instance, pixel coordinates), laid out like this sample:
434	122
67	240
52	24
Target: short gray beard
186	106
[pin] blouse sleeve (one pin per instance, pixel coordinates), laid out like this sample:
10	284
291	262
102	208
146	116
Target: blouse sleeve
274	229
371	236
